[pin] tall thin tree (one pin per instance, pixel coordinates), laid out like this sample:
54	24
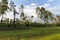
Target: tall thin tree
14	10
22	12
3	8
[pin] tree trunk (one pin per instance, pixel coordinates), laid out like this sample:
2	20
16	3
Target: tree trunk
14	20
2	19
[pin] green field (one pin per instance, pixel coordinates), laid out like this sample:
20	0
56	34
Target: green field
31	34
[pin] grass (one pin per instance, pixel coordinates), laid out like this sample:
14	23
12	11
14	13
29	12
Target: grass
53	37
50	37
34	33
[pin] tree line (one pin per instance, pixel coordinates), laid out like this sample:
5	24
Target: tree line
43	14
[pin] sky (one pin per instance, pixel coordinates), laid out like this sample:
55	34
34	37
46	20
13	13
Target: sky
30	5
52	5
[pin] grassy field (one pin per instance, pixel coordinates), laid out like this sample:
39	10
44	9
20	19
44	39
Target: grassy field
31	34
